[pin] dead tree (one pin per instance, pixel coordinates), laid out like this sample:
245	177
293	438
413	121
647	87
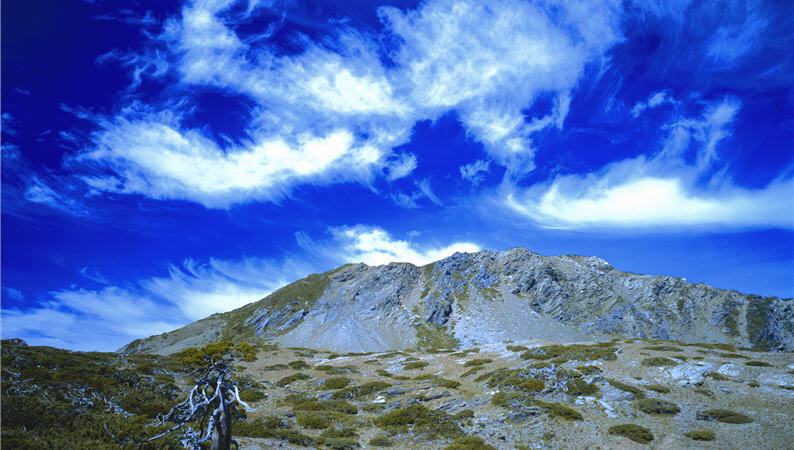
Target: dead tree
211	401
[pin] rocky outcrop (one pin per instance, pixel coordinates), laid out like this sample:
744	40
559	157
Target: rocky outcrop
488	297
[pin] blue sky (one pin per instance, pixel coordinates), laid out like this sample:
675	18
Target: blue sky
164	161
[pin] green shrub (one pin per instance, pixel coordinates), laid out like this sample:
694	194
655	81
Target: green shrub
663	348
420	420
464	414
520	379
757	364
361	390
579	352
717	376
339	438
704	391
723	415
577	386
333	370
658	388
449	384
657	406
477	362
469	443
310	404
560	411
658	361
632	431
471	371
336	383
700	435
251	395
272	428
753	384
289	379
517	348
298	365
381	440
588	370
413	365
313	420
638	394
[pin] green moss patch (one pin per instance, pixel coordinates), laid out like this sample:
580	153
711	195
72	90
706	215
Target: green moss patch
519	379
588	370
289	379
381	440
657	406
272	428
414	365
757	364
298	365
336	383
700	435
638	393
477	362
355	392
658	388
578	386
659	361
314	421
560	411
517	348
632	431
421	421
469	443
578	352
723	415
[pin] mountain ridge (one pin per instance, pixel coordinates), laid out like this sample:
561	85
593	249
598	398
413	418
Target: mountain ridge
469	299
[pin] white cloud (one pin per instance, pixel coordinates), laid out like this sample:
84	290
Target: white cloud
38	191
107	318
656	99
162	162
374	246
475	171
731	42
401	166
677	187
650	202
90	320
334	112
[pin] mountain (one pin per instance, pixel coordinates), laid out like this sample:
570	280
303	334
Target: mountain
489	297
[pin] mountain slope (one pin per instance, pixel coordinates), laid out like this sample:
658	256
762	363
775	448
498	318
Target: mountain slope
489	297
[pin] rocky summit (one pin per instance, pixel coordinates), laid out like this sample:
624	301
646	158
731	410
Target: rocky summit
471	299
489	350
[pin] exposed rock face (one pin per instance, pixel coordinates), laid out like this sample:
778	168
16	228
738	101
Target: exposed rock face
489	297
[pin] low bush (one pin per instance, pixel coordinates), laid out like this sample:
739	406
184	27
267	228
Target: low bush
700	435
632	431
414	365
336	383
469	443
658	361
657	406
638	394
289	379
560	411
757	364
723	415
354	392
420	420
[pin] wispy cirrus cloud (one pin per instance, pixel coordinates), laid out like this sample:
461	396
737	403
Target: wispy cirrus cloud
338	105
683	185
111	316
